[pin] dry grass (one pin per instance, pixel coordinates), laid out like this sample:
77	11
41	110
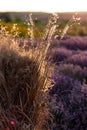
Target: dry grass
24	79
21	87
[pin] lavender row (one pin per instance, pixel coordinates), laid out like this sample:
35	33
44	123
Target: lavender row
72	43
59	54
63	55
75	43
78	59
73	71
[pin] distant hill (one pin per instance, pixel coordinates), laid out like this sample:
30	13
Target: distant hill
44	16
38	15
67	15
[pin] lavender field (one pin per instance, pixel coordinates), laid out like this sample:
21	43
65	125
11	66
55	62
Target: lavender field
67	99
68	96
43	80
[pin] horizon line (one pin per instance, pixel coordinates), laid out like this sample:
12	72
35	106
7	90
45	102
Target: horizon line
41	11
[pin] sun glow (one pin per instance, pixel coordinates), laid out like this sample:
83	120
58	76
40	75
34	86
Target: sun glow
44	5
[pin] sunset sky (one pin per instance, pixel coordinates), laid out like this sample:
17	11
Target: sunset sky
44	5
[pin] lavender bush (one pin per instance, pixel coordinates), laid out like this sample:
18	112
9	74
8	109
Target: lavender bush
60	54
75	43
68	104
78	59
73	71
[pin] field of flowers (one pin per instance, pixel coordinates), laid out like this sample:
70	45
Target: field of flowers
43	81
68	96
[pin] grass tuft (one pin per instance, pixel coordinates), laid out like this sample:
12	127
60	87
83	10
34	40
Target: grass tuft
24	79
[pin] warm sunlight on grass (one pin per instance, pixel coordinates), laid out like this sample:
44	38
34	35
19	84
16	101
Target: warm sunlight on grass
43	80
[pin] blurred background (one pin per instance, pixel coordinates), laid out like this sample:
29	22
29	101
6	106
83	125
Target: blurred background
15	12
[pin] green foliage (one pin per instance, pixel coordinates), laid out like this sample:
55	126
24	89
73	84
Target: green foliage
39	23
5	17
17	20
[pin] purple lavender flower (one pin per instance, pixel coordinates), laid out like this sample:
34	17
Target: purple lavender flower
73	71
60	54
71	103
75	43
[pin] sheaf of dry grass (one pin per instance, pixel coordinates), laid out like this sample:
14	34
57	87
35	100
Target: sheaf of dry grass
24	79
